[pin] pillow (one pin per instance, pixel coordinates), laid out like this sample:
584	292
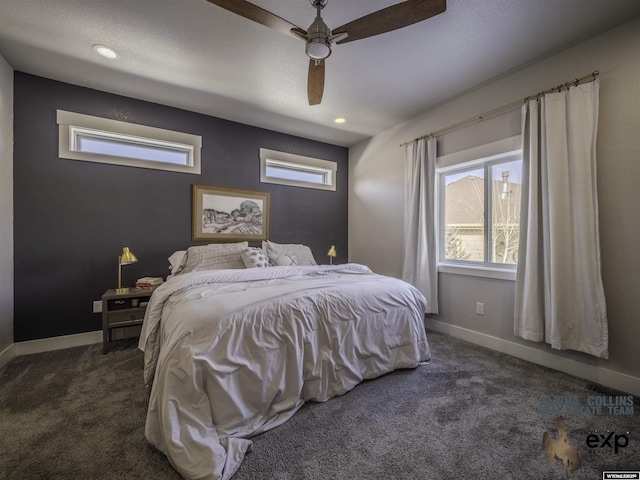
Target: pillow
254	258
214	257
177	261
286	260
298	254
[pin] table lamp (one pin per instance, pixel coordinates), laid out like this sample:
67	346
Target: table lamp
331	254
125	258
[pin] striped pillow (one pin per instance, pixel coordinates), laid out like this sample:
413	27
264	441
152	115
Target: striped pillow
214	257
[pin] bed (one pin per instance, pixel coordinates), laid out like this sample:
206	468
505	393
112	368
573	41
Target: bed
238	339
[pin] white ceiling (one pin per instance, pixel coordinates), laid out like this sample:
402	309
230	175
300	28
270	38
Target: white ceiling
194	55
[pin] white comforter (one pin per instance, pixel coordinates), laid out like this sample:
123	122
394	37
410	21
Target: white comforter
232	353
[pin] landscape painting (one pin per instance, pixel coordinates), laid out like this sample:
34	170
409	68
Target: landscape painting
229	215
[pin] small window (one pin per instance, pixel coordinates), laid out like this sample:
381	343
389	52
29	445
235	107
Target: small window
479	208
296	170
95	139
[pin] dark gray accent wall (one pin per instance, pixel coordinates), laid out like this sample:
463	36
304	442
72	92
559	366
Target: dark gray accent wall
72	218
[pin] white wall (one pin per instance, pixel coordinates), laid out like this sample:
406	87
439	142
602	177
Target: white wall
6	208
376	198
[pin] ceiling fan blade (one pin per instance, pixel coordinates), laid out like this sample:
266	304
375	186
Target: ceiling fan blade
299	33
315	82
391	18
257	14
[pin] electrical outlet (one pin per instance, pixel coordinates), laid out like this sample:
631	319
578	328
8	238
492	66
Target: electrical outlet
97	306
479	308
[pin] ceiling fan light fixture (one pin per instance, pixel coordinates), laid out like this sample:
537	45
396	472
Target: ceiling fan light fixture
317	49
318	39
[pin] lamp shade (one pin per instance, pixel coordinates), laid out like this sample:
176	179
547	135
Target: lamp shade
332	251
126	257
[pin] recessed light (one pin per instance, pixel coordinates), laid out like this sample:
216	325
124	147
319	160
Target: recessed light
340	120
106	52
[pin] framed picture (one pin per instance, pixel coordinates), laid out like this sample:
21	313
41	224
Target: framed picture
222	214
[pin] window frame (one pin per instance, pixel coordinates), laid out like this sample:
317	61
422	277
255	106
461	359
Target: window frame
484	156
73	126
301	163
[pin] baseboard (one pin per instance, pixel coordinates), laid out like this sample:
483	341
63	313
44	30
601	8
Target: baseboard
7	354
593	373
57	343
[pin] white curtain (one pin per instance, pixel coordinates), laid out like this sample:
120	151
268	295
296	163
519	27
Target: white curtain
419	258
559	293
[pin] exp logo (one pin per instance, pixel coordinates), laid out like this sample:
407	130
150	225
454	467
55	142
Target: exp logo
608	439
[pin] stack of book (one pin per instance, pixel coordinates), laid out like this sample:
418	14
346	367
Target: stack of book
148	282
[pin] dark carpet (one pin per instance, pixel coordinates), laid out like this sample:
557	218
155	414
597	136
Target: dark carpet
470	413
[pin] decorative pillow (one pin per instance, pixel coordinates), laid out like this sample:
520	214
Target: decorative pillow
177	261
254	258
299	254
214	257
285	260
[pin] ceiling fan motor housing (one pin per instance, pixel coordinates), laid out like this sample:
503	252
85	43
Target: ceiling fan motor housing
318	40
318	3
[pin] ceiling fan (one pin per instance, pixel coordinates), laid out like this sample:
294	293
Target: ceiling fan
319	38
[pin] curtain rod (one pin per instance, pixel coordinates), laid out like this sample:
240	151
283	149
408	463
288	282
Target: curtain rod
504	107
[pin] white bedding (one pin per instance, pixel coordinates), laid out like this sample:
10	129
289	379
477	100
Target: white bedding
233	353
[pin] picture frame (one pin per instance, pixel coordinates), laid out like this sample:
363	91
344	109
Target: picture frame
221	214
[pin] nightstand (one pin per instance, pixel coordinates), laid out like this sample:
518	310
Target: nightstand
121	310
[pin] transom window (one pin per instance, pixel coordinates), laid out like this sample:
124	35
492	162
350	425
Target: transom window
479	209
297	170
102	140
